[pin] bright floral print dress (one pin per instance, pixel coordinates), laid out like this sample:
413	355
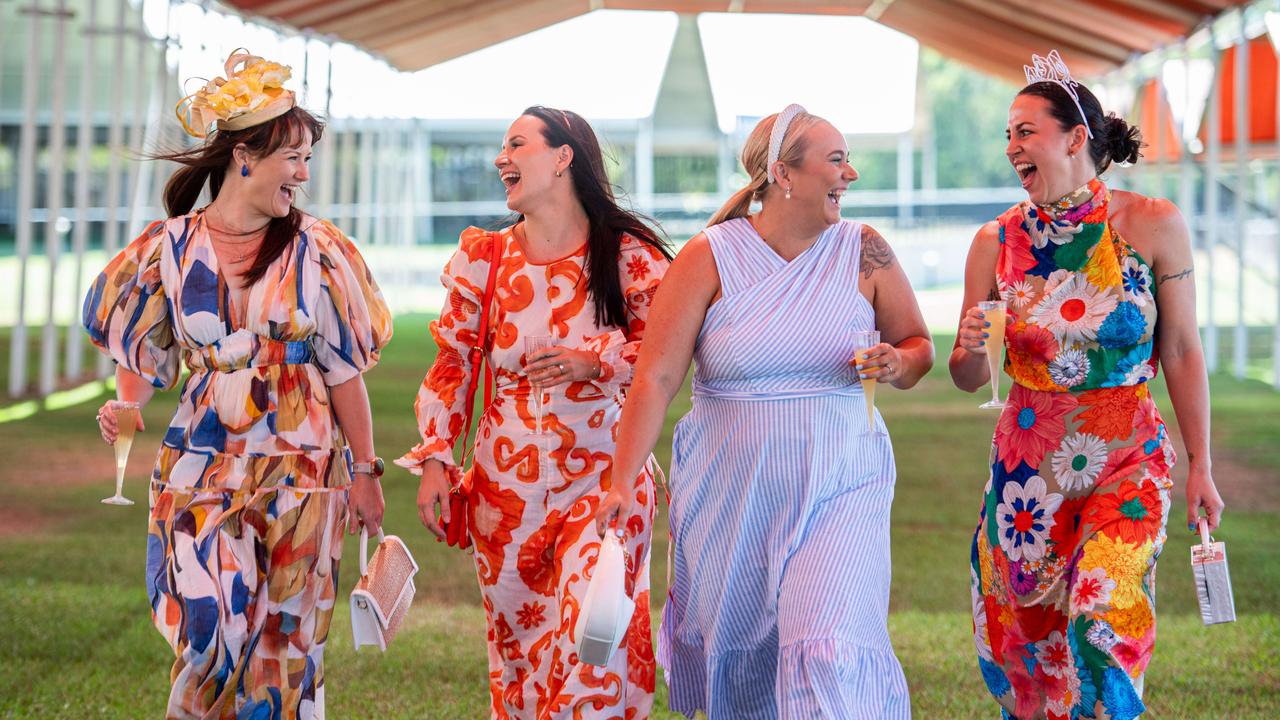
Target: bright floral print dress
533	500
1074	513
249	493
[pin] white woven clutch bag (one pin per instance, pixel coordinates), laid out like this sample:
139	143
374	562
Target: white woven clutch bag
381	599
606	610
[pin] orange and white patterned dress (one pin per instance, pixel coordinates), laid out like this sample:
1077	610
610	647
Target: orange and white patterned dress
533	499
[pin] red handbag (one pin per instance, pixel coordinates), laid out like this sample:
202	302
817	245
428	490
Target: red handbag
456	531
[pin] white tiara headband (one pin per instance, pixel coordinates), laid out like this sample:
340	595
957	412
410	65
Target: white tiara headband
1053	69
779	133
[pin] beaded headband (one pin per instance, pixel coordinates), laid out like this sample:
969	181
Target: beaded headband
779	133
1053	69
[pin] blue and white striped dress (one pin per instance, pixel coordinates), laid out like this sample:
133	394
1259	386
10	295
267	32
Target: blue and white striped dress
780	505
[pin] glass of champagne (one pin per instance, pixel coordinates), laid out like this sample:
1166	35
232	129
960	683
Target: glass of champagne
534	344
863	341
994	311
126	425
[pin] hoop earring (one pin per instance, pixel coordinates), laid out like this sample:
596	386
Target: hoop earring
244	170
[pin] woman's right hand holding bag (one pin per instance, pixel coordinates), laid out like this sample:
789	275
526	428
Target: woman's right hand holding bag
442	505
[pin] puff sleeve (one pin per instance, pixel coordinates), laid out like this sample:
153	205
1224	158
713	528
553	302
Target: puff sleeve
353	322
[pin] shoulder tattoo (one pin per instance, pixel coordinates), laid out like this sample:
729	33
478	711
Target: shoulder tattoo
876	254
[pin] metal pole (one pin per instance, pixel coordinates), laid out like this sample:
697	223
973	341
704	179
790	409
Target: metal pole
84	146
1186	198
55	197
363	209
347	176
26	199
644	166
1214	145
1158	148
906	178
1275	337
1241	341
422	186
138	127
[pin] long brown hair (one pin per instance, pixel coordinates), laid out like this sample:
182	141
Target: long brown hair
607	221
209	161
755	159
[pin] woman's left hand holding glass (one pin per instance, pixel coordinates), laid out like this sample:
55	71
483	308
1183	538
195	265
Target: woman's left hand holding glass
557	365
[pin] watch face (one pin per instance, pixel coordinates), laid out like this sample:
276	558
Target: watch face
378	467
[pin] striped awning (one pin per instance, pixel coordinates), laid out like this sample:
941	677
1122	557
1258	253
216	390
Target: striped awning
995	36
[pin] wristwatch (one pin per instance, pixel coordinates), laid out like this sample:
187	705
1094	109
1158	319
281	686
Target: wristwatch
374	467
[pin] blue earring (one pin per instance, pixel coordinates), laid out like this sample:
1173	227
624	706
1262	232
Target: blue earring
244	170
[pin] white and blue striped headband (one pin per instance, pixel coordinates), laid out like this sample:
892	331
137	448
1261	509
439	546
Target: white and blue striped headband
779	133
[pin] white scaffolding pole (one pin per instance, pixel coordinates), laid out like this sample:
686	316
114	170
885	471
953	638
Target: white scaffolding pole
1275	337
906	178
364	204
1186	168
1214	137
1240	343
423	201
643	200
115	145
347	176
55	196
26	200
138	129
84	148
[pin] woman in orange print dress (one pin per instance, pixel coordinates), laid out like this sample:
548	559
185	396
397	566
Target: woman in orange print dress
580	270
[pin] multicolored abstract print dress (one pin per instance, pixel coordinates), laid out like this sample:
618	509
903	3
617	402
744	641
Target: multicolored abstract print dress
533	499
1074	513
248	493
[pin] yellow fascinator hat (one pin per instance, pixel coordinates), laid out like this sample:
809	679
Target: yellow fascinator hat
249	96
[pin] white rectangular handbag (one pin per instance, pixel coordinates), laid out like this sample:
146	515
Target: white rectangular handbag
606	609
384	593
1213	581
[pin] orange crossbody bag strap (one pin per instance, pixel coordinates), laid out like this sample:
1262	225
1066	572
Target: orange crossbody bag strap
477	354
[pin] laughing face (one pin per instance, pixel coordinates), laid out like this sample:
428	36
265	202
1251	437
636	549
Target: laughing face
527	165
823	175
1041	151
274	179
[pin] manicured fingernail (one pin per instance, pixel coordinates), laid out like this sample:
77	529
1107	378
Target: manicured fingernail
986	325
1191	527
986	335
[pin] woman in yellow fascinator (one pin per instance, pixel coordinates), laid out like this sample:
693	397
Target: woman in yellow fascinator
276	316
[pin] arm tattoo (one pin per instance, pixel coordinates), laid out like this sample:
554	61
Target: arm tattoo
876	254
1175	276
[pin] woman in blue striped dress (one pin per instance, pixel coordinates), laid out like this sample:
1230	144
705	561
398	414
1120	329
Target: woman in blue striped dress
780	500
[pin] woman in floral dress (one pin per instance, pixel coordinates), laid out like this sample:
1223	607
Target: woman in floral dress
276	316
1074	512
581	271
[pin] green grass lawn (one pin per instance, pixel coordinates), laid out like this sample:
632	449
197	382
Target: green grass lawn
76	640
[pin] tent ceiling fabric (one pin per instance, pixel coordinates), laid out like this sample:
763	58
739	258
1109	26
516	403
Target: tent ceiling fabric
995	36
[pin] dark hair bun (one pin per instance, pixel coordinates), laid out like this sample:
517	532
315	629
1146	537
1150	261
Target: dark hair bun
1121	140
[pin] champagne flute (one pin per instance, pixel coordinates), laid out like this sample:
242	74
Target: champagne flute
994	312
863	342
126	425
534	344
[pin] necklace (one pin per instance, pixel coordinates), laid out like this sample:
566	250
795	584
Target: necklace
243	249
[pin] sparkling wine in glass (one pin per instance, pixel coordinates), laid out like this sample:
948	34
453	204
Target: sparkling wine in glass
126	425
863	341
534	344
994	310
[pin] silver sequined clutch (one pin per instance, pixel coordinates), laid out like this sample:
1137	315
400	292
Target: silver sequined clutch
1213	581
